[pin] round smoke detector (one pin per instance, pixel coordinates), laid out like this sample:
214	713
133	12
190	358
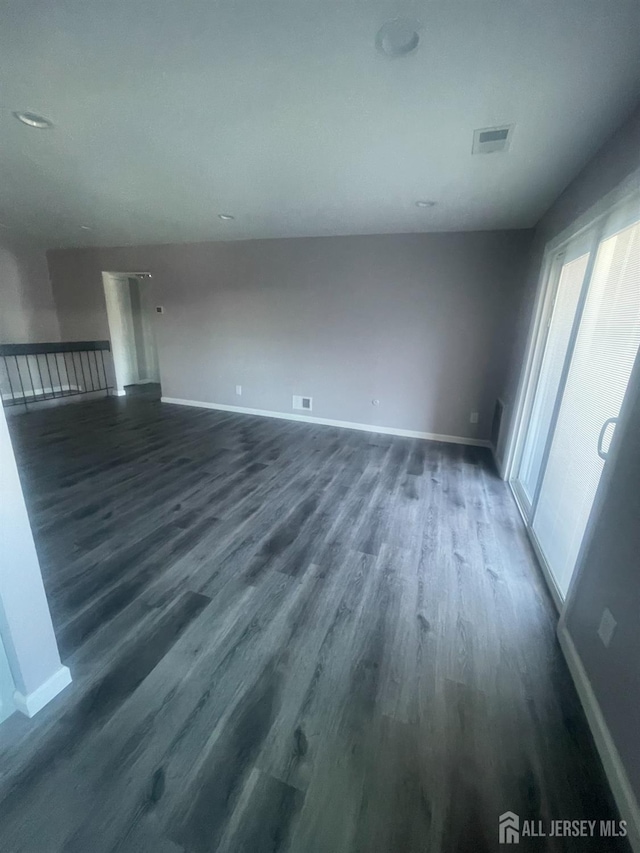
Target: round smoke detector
399	37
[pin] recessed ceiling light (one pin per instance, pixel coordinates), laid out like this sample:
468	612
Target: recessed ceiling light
426	204
34	120
399	37
85	228
226	217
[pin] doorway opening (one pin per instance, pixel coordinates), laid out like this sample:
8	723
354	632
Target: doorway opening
583	357
131	314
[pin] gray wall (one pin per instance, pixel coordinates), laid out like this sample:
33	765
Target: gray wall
26	630
27	310
7	685
27	640
608	575
421	322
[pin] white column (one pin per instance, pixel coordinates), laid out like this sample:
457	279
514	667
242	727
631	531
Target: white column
25	622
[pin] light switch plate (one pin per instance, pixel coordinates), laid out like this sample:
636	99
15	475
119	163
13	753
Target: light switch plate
607	627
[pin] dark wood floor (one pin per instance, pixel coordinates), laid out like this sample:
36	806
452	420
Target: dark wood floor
285	637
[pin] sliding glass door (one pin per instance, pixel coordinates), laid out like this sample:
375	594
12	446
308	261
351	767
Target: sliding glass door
586	352
567	274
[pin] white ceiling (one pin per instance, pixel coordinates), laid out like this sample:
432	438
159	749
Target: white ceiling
284	114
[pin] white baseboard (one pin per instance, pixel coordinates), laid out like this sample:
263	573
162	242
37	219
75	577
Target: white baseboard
119	392
35	701
309	419
609	755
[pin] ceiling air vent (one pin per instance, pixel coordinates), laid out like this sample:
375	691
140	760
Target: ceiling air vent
489	140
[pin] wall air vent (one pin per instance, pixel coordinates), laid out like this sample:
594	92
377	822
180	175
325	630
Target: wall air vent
489	140
303	403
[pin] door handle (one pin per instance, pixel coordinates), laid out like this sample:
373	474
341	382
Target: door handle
602	453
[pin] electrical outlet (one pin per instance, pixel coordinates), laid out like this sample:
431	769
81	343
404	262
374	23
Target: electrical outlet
607	627
474	418
239	390
159	309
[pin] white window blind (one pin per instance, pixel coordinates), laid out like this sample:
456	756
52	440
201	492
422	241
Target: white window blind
605	350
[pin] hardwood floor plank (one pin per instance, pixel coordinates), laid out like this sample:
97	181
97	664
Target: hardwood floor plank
264	818
96	706
285	637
